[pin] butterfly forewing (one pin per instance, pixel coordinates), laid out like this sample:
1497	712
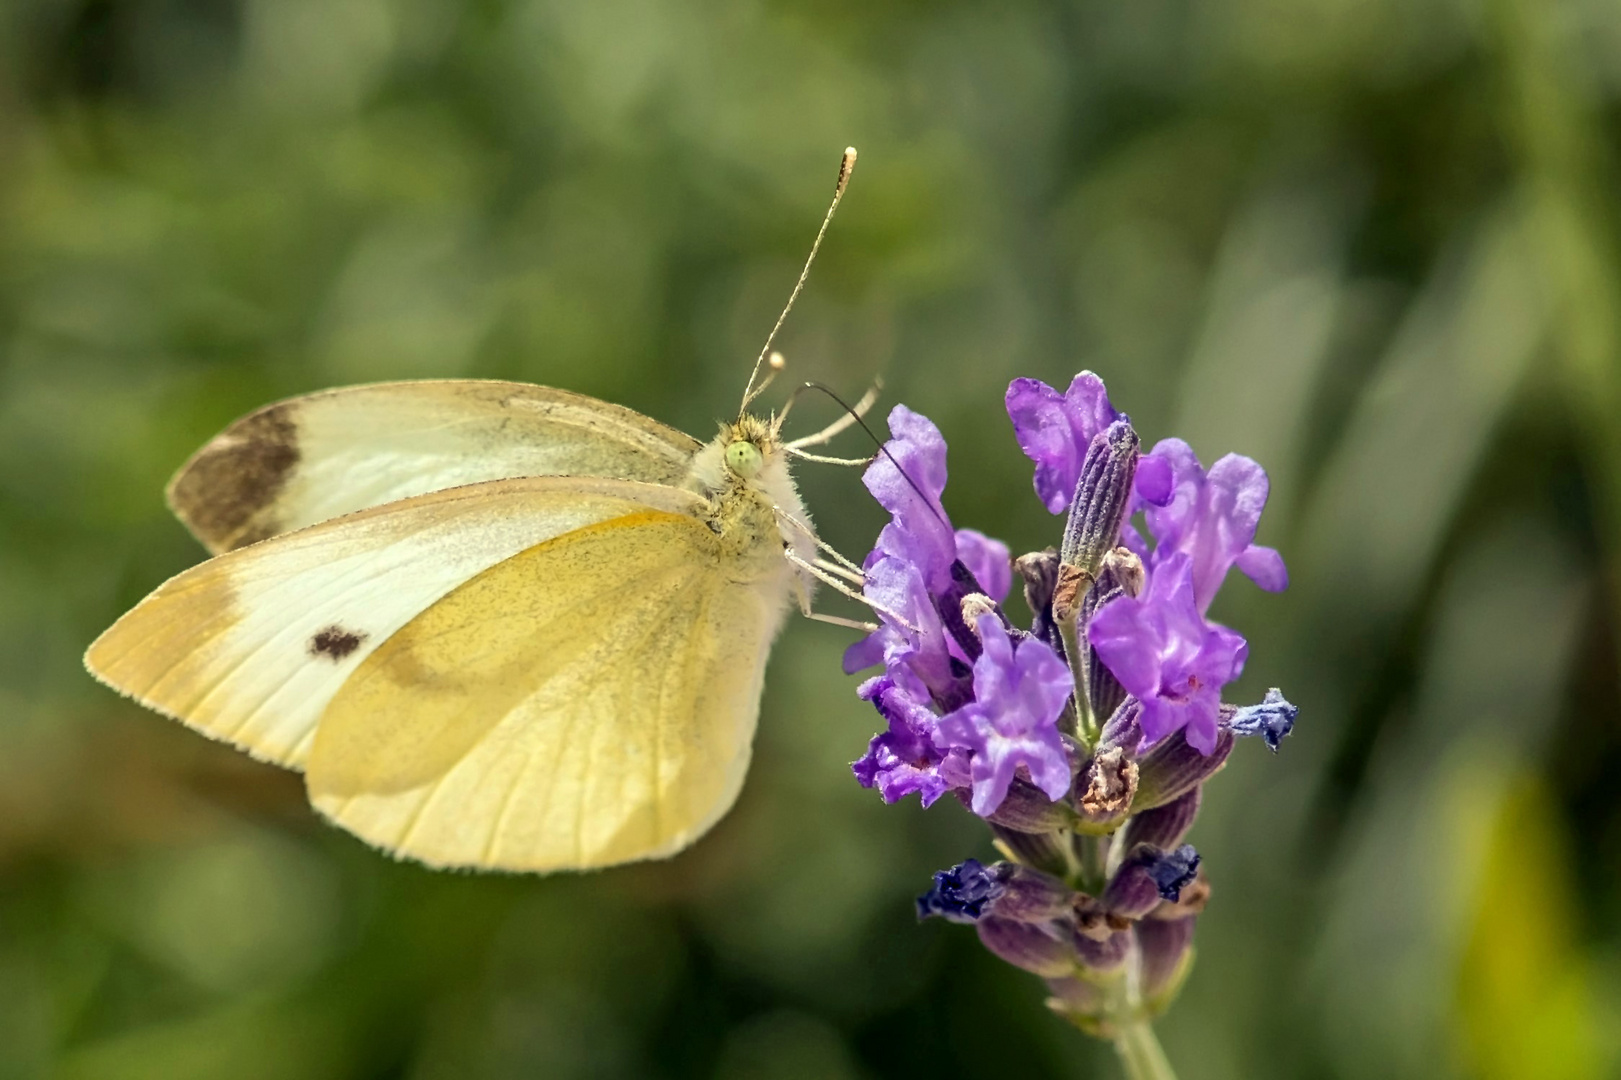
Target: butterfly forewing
587	702
311	458
250	647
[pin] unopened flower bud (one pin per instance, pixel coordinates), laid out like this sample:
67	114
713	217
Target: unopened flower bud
1164	826
1042	948
1173	768
1165	947
1102	497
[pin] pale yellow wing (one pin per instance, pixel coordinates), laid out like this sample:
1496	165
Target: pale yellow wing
311	458
587	702
250	646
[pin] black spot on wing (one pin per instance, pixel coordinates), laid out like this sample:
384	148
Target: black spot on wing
335	642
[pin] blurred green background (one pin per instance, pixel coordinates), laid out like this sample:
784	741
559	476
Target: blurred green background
1372	243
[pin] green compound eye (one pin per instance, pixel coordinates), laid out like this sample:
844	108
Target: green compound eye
744	459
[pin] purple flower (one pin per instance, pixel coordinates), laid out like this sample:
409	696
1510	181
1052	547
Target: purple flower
963	893
1013	719
1054	430
1167	656
904	759
988	560
916	575
1211	518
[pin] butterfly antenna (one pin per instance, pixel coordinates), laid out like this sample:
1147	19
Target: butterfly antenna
846	166
882	449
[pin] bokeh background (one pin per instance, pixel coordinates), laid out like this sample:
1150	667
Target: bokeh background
1372	243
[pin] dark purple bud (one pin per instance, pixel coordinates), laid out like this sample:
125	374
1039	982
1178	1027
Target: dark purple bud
1105	955
1026	809
1104	790
1042	948
1042	850
1173	768
1102	497
1272	719
1164	826
1147	876
1165	948
965	892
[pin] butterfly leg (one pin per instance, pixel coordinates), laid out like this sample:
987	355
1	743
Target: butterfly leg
834	620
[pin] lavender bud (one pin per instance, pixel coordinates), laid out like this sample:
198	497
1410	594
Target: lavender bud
1164	826
1147	876
1173	768
1105	789
1102	497
1041	948
1272	719
1165	946
965	892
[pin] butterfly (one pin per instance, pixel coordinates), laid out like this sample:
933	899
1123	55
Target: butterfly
496	625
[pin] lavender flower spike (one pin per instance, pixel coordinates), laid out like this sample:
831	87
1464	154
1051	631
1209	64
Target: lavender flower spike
1013	719
1168	657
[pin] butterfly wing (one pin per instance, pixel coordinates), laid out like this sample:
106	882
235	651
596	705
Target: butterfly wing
249	647
307	459
587	702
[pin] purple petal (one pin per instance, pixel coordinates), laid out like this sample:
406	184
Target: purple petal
1155	480
1054	430
1128	642
988	560
1264	566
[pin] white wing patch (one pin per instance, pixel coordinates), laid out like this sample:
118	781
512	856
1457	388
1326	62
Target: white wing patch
249	647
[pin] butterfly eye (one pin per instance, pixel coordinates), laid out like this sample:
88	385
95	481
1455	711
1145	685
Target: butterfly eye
744	459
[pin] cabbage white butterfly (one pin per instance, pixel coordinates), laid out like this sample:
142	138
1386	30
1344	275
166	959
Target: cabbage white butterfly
496	625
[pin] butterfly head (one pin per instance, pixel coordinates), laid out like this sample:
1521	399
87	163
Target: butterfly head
750	446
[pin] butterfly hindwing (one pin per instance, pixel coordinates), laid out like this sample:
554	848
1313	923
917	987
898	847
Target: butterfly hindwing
310	458
250	646
587	702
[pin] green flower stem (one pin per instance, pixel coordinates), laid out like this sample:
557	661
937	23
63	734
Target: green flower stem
1140	1051
1086	722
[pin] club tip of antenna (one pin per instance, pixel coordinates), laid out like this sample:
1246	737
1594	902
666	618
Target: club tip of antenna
845	167
777	361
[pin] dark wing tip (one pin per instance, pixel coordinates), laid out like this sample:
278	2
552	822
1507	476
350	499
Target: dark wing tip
226	493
